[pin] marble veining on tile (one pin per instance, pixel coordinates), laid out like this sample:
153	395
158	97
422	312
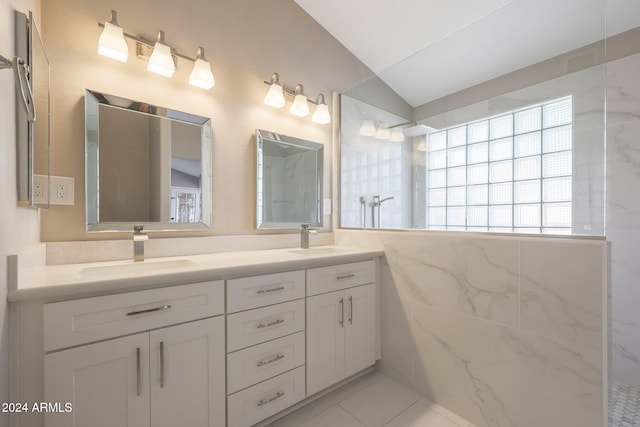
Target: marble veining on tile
491	373
471	276
561	292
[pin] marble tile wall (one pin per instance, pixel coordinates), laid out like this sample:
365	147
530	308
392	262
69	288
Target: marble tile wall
623	214
504	331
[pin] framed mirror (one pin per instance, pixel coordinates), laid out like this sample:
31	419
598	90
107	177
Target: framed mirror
289	181
32	136
145	165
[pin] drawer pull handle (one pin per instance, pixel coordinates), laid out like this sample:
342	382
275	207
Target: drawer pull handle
266	291
263	402
267	362
138	373
342	311
161	364
346	276
268	325
149	310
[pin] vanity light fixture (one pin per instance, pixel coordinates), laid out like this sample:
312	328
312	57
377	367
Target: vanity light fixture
383	132
275	98
112	43
161	61
321	114
367	128
397	135
275	95
299	107
162	58
201	75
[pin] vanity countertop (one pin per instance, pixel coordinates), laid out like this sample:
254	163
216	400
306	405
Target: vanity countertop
69	281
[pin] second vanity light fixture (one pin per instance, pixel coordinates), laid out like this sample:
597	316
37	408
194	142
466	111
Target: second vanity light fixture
162	59
275	98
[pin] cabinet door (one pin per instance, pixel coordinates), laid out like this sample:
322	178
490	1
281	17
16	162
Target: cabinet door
107	383
188	374
325	340
360	328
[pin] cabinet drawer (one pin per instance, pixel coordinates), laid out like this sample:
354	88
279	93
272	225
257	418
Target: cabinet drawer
336	277
257	291
86	320
254	404
263	324
258	363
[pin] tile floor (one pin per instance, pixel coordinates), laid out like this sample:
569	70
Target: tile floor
624	406
372	400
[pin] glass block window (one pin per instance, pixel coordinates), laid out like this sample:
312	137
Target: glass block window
509	173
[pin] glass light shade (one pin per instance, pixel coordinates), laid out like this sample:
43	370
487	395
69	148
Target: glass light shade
422	146
367	128
299	107
275	96
383	133
397	135
112	43
161	61
321	115
201	75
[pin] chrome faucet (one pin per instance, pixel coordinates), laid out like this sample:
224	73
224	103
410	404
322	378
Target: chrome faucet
139	237
305	230
375	206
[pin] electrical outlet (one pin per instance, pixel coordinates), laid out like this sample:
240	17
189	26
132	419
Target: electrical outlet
62	190
40	190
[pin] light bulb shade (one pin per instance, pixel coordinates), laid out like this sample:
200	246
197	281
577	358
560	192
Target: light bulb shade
275	96
383	133
299	107
201	75
367	128
422	146
321	115
161	61
397	135
112	43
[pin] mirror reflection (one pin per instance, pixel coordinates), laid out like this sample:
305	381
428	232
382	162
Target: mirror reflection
146	165
289	181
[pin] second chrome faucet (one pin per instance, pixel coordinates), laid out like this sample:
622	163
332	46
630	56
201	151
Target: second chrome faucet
139	237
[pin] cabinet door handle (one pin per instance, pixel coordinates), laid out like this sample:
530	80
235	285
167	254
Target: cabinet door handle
266	291
346	276
342	311
161	364
263	402
149	310
350	310
268	325
269	361
138	373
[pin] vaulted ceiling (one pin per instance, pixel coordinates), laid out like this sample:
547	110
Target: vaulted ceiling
426	49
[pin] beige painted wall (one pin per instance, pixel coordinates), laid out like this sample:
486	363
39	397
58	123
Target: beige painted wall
244	40
19	227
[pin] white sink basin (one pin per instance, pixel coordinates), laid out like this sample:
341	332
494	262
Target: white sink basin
317	251
134	268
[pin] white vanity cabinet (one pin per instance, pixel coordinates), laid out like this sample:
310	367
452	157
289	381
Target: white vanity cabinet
341	324
160	376
265	345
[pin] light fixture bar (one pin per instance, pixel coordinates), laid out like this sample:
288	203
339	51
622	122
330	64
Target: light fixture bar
292	92
150	45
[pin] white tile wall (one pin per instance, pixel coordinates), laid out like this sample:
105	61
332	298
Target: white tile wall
623	213
529	356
